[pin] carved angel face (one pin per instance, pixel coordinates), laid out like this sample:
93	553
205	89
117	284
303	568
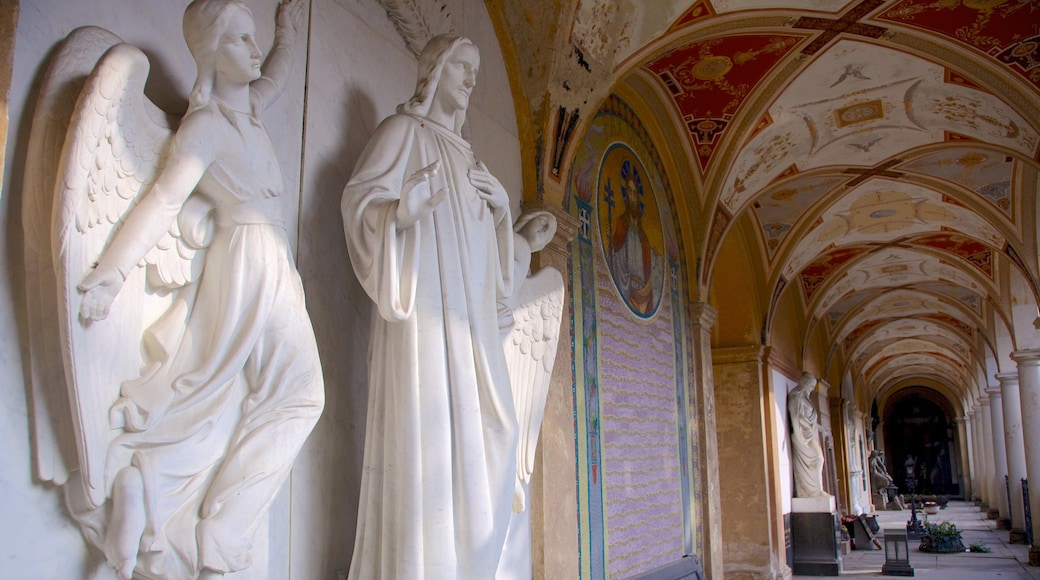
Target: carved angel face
238	56
458	77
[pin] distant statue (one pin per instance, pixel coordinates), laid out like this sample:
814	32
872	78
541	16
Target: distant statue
430	238
192	371
879	471
530	323
808	455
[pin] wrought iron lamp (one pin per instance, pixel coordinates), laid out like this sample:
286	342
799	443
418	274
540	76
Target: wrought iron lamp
914	528
897	554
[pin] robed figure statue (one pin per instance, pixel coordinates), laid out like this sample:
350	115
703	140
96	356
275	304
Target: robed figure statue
807	454
430	238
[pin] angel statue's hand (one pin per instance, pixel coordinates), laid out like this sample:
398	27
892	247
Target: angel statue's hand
289	17
99	288
417	199
488	187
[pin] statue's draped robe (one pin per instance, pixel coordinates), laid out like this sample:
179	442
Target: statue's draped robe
440	442
807	459
232	383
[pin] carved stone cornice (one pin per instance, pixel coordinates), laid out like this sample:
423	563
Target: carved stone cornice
737	354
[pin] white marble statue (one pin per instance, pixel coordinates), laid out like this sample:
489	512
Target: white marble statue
807	455
192	371
530	323
879	471
429	232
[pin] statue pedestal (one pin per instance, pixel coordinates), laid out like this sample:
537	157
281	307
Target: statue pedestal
815	536
880	501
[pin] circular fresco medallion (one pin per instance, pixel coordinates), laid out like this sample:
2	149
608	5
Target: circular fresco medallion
712	68
630	230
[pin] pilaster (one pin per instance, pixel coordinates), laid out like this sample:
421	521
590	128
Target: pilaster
704	317
1029	390
750	549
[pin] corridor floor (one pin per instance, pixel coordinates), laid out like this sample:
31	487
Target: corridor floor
1003	561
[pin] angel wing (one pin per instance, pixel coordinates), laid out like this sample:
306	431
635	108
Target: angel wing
115	147
530	354
73	61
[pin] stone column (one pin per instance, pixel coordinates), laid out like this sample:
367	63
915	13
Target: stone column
999	503
1016	452
986	446
967	476
553	500
746	481
704	394
1029	389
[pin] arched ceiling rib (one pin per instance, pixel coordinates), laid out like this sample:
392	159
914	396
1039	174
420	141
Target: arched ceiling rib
884	152
889	186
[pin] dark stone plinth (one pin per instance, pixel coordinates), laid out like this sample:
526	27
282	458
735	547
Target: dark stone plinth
1003	523
992	514
1018	536
900	569
816	538
1034	555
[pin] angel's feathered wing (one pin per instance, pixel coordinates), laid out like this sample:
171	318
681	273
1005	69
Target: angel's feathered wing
72	62
115	146
530	353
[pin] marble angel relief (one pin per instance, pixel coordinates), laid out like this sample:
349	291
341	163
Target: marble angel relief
530	323
190	375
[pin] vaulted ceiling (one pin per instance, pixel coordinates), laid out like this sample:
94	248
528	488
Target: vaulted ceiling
882	153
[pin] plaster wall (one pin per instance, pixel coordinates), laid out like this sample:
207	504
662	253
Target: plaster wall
351	70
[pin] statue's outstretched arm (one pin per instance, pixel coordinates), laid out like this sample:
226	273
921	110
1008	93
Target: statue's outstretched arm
149	220
278	65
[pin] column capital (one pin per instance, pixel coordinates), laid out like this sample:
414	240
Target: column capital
566	226
704	315
1007	378
1029	357
984	398
993	391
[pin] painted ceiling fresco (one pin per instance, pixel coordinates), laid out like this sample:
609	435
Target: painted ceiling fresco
885	151
709	81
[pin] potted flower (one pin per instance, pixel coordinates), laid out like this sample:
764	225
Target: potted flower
930	507
941	538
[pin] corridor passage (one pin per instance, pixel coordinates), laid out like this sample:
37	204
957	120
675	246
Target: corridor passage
1003	561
